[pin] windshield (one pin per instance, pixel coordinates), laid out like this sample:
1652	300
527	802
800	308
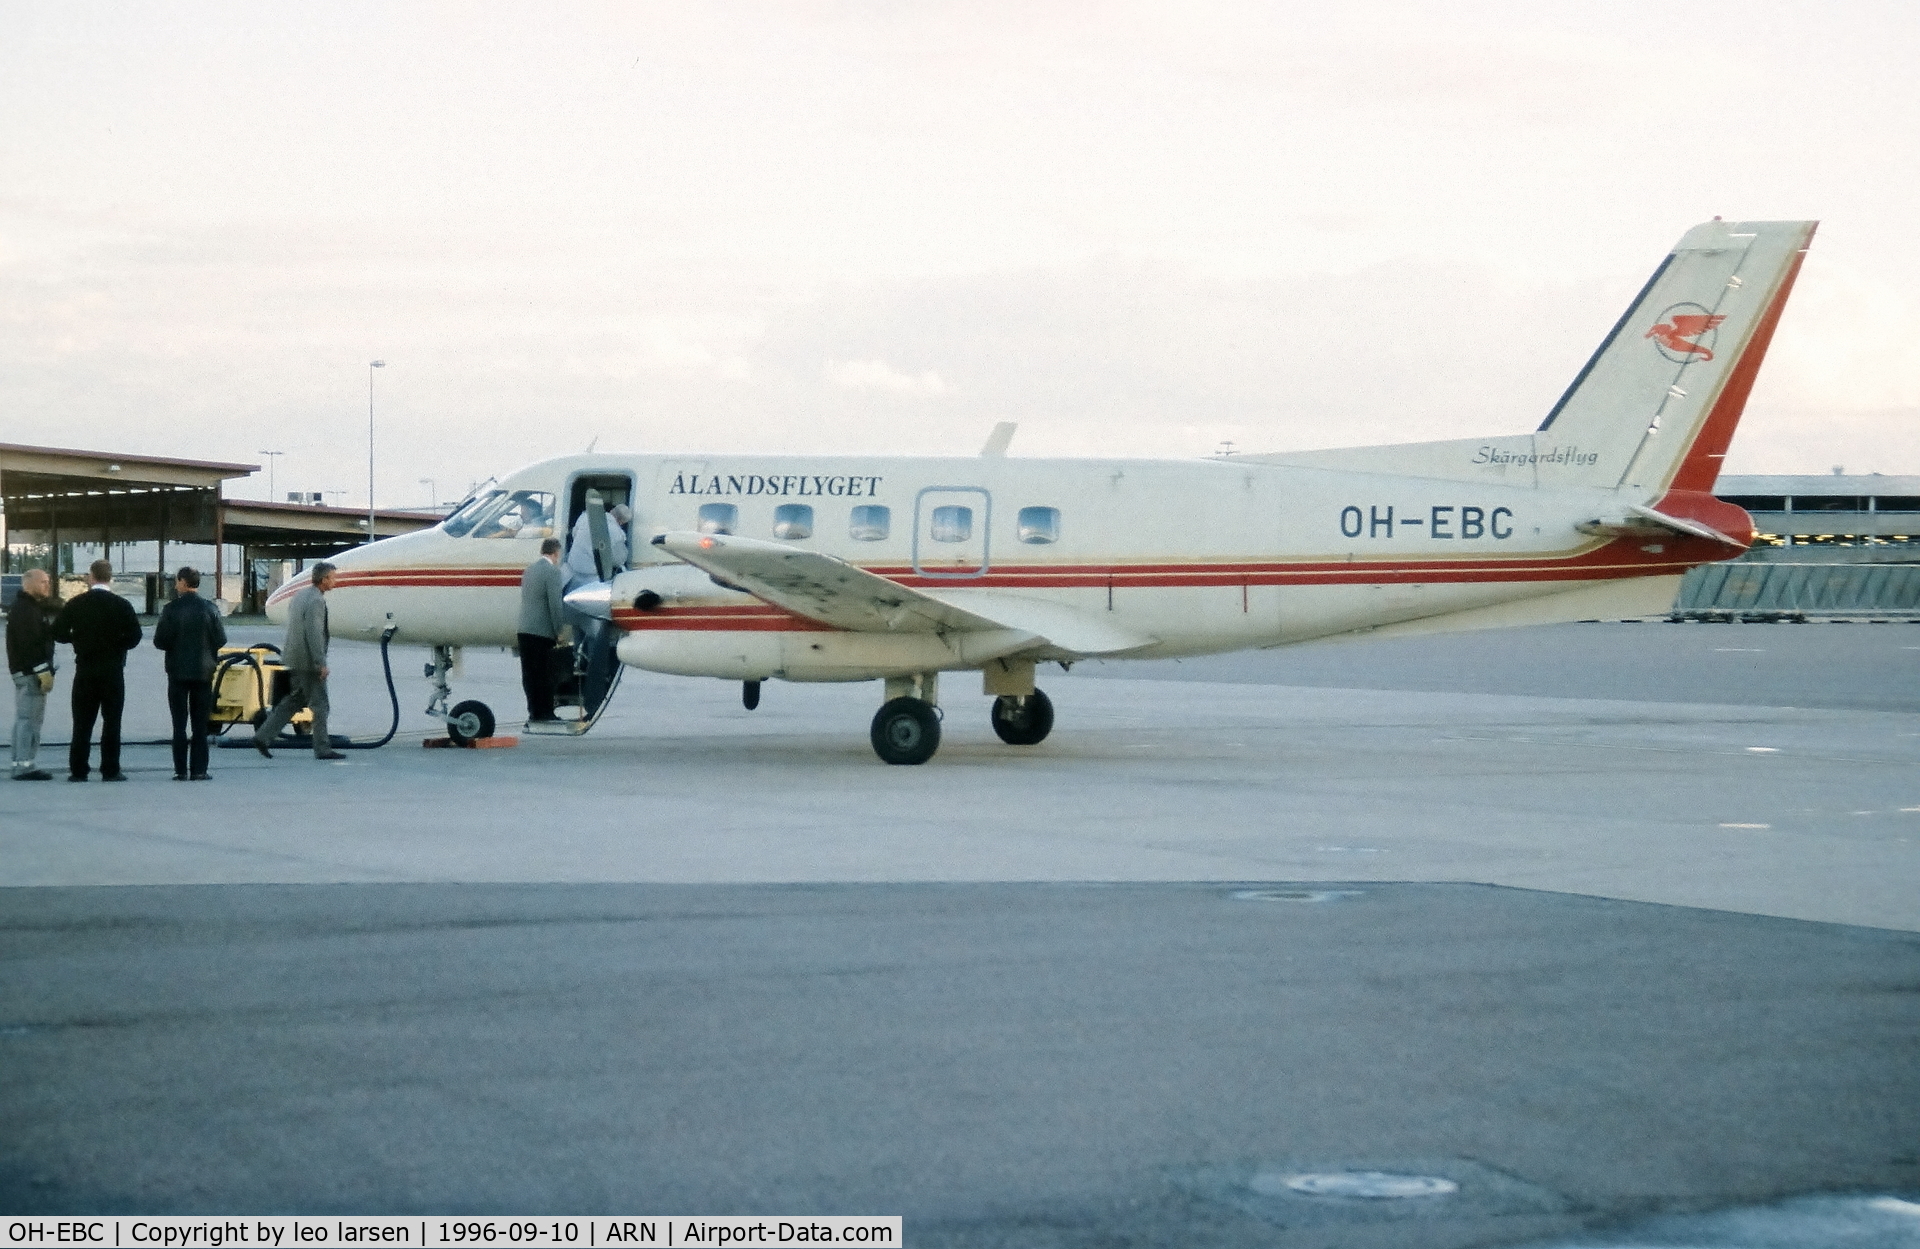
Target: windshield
461	520
521	514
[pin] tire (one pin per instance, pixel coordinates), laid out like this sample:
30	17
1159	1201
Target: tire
1023	725
469	722
906	730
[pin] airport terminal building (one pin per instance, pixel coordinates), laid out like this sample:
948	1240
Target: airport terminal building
1830	545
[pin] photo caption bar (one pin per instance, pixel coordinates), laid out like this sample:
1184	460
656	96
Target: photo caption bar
434	1232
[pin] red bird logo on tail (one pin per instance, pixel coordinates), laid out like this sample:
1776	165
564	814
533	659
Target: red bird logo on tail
1673	333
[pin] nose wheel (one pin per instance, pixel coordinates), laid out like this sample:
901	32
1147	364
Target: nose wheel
469	722
1023	719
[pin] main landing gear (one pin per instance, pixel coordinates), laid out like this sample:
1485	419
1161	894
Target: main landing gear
906	729
1023	719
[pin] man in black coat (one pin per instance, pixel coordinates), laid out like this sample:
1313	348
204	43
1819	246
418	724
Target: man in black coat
102	628
30	661
192	633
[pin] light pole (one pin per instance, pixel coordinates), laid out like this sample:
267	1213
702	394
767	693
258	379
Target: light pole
433	493
371	366
271	456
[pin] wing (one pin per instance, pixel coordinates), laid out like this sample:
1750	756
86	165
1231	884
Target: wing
834	592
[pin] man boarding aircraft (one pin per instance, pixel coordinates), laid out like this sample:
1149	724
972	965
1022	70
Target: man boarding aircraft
895	569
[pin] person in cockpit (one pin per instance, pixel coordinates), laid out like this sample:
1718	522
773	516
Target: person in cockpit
580	566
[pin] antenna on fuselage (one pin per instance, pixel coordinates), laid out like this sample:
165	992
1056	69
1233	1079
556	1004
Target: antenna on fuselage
997	441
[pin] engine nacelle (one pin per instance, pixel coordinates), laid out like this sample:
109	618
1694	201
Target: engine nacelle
825	655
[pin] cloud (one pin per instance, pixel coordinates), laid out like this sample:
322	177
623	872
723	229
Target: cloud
879	375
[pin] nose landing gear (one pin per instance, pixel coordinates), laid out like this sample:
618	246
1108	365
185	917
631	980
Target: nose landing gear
468	721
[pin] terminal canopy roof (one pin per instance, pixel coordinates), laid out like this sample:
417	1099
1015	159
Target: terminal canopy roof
55	494
98	496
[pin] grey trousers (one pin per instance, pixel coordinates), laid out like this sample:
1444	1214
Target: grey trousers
29	713
309	689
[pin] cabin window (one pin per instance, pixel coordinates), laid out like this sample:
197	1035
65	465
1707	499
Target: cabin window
952	524
520	514
1039	524
871	523
718	518
461	521
793	521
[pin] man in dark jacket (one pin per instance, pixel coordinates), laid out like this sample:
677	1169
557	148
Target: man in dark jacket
102	628
542	618
30	660
191	632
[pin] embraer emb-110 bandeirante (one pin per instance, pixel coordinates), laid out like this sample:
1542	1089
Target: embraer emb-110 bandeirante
865	568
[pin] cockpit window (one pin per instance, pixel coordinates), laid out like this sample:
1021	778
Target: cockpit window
461	520
793	521
719	518
520	514
870	523
1039	524
952	524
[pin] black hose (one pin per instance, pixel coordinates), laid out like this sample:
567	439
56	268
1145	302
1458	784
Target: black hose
393	696
338	742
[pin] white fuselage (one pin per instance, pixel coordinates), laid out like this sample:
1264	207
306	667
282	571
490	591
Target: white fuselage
1189	556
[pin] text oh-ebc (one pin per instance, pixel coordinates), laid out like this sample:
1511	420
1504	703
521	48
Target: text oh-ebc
1461	520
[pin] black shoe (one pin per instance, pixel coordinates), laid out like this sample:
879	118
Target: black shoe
76	776
33	774
179	776
328	755
201	776
260	744
117	776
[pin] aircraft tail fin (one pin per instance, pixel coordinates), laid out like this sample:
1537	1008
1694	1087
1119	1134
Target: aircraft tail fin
1655	408
1657	405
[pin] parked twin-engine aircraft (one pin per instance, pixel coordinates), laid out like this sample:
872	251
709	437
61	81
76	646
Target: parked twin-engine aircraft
866	568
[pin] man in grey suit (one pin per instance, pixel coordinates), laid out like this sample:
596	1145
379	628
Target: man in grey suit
306	660
542	617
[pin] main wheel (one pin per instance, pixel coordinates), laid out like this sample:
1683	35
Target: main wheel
1023	721
470	722
906	730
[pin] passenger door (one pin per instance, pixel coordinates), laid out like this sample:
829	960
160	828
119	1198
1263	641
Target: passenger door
951	532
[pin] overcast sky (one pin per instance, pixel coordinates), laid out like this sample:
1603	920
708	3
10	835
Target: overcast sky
880	228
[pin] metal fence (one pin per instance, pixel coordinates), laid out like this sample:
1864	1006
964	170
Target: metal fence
1809	589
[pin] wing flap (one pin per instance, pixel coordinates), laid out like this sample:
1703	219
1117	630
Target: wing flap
1064	628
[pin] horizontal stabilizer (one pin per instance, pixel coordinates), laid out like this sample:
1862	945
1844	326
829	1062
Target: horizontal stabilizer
1682	525
1687	512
